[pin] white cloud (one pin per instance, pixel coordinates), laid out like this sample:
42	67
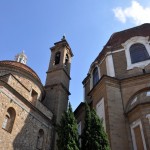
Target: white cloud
136	12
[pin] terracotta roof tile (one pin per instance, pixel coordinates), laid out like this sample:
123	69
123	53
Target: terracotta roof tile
21	66
118	38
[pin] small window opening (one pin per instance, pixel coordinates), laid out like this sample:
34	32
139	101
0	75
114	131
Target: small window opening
20	59
57	58
66	59
138	53
95	76
144	71
40	139
148	93
9	120
34	95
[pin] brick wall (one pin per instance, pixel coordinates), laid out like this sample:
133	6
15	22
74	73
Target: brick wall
26	125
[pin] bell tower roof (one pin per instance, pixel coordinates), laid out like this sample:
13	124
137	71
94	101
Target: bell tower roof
62	42
21	57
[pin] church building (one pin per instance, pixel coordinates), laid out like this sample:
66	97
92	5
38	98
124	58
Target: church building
118	87
30	110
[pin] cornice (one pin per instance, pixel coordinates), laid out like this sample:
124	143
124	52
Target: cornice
23	99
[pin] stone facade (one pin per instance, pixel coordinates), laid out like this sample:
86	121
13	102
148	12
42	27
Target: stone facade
29	110
30	114
117	86
58	80
123	88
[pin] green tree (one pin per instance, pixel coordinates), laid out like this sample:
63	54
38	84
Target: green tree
67	131
99	139
86	134
93	135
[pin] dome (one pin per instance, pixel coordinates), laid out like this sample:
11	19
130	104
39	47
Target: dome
21	67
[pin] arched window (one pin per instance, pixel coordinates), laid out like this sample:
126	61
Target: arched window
9	120
138	53
66	59
34	95
57	58
95	76
40	139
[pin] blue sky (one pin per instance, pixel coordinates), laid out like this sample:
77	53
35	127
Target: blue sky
34	25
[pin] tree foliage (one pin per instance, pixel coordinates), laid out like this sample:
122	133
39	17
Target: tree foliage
86	134
93	135
67	131
99	140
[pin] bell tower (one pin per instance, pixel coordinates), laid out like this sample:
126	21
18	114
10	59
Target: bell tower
58	78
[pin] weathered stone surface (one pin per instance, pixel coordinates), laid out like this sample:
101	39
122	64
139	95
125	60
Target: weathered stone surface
126	103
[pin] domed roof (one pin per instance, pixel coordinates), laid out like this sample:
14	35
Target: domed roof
19	66
118	38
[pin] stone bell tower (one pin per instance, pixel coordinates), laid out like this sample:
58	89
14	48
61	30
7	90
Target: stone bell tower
58	78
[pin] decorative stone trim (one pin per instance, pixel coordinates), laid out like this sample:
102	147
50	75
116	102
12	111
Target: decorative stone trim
148	93
100	110
132	126
148	117
110	66
127	45
134	100
91	78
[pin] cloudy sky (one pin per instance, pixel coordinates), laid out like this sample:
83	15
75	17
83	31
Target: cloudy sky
34	25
